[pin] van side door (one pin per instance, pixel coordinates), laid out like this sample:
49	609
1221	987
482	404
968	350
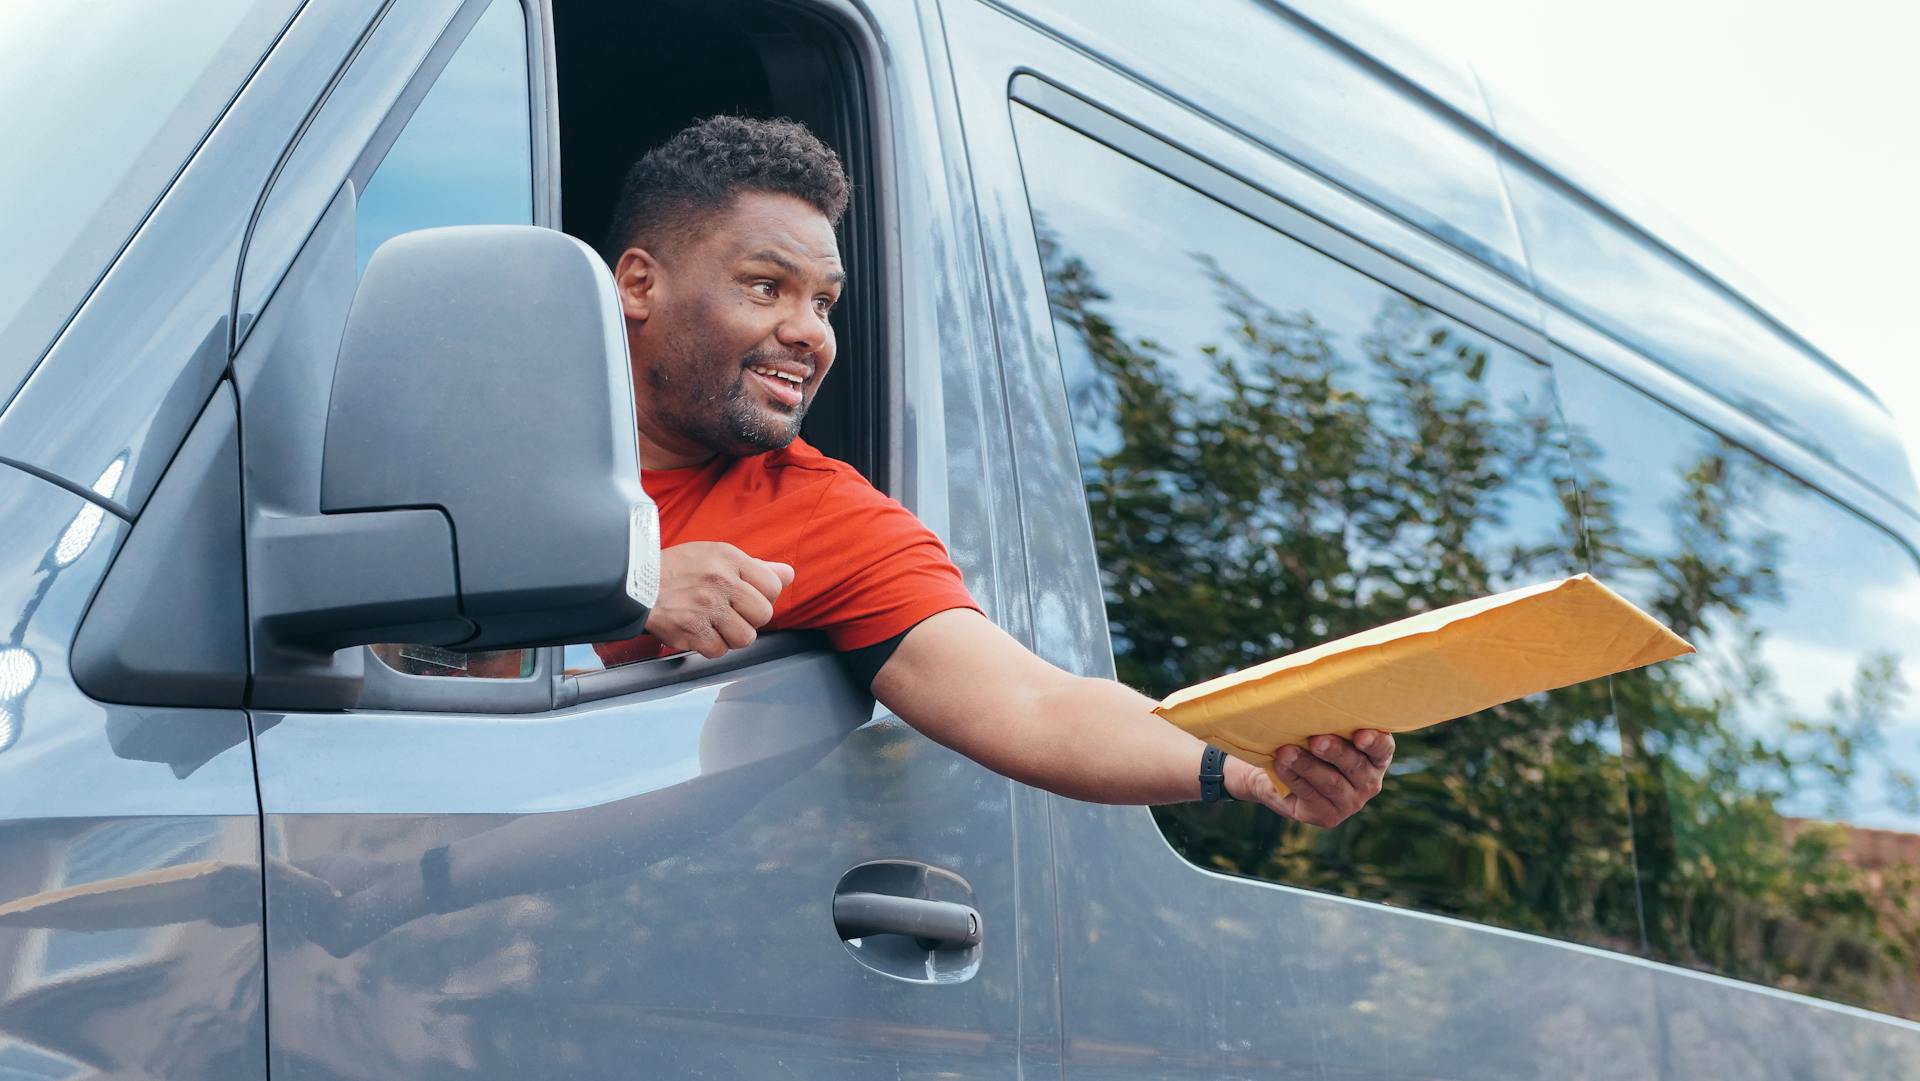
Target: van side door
524	863
1243	431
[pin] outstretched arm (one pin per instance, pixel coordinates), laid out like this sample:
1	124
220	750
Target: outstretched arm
968	685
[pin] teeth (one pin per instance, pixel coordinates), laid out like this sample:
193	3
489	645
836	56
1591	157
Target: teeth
770	373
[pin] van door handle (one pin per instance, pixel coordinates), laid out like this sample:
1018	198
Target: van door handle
934	925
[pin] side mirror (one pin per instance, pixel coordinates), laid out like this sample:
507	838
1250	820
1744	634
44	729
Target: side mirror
480	485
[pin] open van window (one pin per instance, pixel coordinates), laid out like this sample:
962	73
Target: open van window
630	77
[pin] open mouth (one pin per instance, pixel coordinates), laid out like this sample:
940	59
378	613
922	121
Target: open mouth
782	386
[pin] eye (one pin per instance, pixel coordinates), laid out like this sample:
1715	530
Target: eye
824	304
764	287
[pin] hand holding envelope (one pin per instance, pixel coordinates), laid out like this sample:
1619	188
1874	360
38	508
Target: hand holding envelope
1425	669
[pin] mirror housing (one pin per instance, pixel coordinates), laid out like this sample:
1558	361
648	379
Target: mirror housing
480	483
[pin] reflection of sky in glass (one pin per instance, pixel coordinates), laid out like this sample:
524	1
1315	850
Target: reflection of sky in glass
1846	590
1151	266
465	156
104	102
1260	71
1648	300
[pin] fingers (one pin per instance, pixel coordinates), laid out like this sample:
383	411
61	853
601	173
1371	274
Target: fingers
1377	745
1259	788
1358	768
1333	777
748	602
765	578
1305	775
714	597
736	632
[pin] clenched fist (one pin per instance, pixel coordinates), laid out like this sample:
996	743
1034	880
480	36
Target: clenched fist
714	597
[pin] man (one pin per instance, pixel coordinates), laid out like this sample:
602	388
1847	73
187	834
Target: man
724	254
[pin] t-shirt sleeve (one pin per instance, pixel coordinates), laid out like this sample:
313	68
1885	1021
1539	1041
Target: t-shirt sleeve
866	569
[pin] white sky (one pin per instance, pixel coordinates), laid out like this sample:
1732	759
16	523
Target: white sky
1785	134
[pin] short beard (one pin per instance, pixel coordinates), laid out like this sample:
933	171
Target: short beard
723	417
753	427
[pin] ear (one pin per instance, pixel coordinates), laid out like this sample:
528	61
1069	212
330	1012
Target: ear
637	276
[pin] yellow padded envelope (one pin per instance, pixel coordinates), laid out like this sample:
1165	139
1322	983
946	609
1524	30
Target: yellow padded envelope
1425	669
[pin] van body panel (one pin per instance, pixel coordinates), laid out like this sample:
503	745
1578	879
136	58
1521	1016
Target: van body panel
1227	977
1641	294
644	884
637	885
147	84
1245	974
1632	266
604	869
957	449
131	943
130	374
1726	1030
1167	970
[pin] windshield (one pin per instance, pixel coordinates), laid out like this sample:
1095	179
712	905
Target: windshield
106	99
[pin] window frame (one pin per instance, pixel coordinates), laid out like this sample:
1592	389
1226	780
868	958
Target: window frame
384	687
1550	347
1168	158
1559	339
854	115
380	138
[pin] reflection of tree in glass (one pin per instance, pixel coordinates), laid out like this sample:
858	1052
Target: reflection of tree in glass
1284	487
1729	881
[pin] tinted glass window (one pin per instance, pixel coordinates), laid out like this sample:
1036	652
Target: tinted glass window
464	158
1773	779
1278	450
105	101
1649	300
1280	82
466	155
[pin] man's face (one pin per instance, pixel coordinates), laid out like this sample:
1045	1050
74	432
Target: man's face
728	330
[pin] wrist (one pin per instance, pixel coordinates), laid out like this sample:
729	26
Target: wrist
1239	778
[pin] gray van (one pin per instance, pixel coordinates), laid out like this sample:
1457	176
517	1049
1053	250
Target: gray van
1201	332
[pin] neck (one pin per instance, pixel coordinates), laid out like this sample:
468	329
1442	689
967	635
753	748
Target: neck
663	450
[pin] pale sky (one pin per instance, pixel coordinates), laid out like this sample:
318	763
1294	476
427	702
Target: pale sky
1787	135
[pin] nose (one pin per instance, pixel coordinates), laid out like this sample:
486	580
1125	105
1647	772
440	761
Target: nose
804	331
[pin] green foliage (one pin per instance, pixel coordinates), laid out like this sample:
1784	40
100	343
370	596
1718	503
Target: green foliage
1281	488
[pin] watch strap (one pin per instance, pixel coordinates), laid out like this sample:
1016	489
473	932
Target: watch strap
1213	776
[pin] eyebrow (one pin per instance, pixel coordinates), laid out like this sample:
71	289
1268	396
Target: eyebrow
769	256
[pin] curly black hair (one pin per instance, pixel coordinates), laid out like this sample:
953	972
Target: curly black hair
675	186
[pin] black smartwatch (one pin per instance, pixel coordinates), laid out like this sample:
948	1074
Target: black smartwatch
1213	776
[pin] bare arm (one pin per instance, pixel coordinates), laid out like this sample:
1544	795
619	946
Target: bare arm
967	684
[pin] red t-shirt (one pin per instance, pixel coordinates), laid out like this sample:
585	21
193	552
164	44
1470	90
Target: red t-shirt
864	568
